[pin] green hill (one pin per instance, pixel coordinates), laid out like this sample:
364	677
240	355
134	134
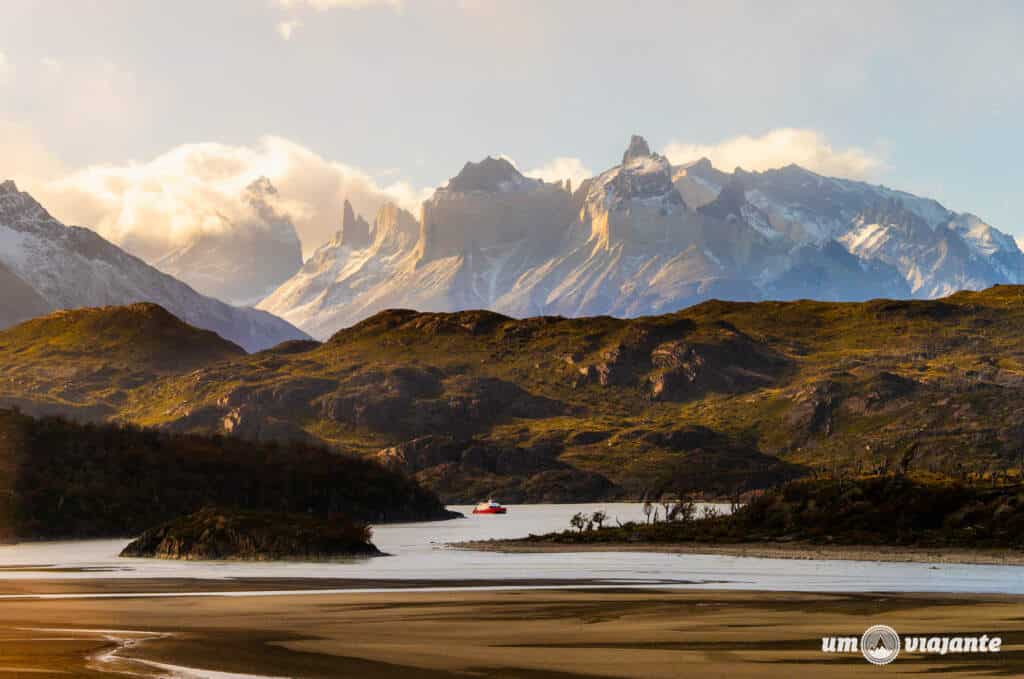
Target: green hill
85	361
722	396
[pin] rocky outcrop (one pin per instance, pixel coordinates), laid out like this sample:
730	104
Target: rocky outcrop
678	364
415	402
880	392
813	408
490	204
638	148
226	534
355	230
465	470
394	230
634	204
731	363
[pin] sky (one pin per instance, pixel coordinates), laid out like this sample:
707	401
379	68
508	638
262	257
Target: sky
146	119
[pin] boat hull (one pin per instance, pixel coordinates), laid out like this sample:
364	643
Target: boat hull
491	510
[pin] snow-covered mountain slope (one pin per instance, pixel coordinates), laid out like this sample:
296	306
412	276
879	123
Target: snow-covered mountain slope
936	251
60	267
645	237
351	275
241	263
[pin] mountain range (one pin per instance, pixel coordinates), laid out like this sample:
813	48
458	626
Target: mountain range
643	237
45	265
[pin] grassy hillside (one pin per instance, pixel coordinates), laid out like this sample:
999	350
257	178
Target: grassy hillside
64	480
84	361
724	397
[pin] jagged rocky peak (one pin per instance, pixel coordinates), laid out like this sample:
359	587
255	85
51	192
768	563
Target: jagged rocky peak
394	227
701	165
490	174
19	206
262	196
699	182
355	230
634	203
489	204
642	175
638	148
731	199
261	187
247	259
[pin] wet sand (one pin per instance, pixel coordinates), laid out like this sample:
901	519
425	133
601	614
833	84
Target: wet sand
589	633
767	550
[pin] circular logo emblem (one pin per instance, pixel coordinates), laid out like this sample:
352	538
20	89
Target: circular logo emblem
880	644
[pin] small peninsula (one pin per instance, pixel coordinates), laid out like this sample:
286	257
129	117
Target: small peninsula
890	518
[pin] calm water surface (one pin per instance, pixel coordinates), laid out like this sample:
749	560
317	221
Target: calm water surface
419	552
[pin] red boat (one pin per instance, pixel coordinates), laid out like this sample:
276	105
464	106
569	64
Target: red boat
490	507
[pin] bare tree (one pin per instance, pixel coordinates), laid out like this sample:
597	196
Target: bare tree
686	509
648	508
598	518
666	504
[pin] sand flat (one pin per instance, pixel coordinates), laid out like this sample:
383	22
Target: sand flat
766	550
609	633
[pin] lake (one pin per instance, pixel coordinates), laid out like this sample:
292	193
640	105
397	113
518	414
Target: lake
419	552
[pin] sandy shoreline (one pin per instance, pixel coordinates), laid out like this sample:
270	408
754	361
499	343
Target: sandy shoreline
524	634
767	551
182	587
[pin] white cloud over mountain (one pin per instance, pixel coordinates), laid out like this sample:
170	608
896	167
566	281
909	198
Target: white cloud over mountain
154	207
561	168
6	69
779	147
323	5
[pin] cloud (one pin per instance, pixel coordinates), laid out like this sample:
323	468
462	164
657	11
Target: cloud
25	159
780	147
155	207
324	5
286	28
52	65
561	168
6	69
86	99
